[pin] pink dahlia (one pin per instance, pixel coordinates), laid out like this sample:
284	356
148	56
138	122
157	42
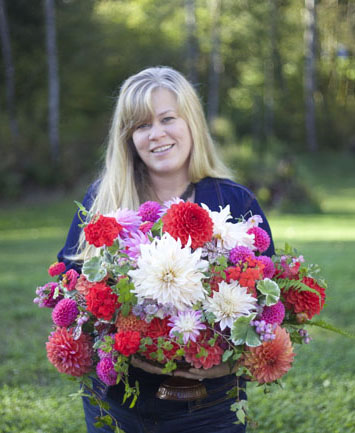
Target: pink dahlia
105	370
269	267
70	278
239	254
213	357
56	268
45	295
65	312
83	286
128	219
133	244
274	313
150	211
261	238
70	356
272	359
146	226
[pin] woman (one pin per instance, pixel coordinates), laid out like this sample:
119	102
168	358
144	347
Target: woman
160	148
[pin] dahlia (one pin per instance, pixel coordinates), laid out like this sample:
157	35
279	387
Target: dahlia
68	355
188	220
130	323
105	370
133	242
272	359
45	295
239	254
228	234
274	313
102	231
168	273
70	279
229	303
65	312
128	219
269	267
146	227
56	268
303	301
214	353
101	301
261	238
188	323
150	211
127	342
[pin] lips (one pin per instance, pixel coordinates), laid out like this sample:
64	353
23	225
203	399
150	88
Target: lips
162	148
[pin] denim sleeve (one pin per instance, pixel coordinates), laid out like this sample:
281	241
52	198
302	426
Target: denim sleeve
71	243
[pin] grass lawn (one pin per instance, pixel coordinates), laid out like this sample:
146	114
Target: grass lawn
319	394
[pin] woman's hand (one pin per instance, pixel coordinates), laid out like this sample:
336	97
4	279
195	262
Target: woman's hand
193	373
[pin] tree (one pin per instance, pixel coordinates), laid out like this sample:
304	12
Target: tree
309	73
191	42
9	70
53	80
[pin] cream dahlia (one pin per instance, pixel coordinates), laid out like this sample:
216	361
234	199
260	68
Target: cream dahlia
228	234
168	273
230	302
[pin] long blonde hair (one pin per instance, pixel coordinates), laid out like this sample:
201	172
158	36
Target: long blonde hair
124	180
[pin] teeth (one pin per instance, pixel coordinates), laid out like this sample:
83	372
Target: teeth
162	148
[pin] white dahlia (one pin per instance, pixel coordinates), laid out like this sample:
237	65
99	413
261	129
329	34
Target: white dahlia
228	234
229	303
168	273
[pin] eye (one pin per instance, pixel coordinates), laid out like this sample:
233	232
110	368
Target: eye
168	119
142	126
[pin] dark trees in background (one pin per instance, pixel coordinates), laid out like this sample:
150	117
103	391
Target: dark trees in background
192	50
309	74
53	79
215	65
9	70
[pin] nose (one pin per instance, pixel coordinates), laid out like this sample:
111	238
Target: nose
156	131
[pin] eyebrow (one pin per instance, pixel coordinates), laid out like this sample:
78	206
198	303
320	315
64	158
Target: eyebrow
166	111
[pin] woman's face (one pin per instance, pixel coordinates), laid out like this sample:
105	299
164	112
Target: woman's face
164	141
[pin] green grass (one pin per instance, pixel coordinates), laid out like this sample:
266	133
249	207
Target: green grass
319	394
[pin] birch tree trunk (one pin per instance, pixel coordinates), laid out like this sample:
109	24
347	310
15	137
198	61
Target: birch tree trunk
215	67
191	44
309	73
53	80
9	70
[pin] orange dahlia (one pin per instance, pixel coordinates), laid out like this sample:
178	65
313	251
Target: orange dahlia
272	359
70	356
186	219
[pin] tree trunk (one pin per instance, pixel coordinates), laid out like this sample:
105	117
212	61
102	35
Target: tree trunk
53	80
215	67
9	70
192	43
309	73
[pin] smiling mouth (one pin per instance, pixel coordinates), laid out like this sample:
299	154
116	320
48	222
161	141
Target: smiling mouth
162	148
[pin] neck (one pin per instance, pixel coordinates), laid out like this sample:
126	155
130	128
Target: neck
167	187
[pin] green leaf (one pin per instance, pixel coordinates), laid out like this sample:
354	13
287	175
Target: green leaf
244	333
270	290
93	270
330	327
241	416
226	355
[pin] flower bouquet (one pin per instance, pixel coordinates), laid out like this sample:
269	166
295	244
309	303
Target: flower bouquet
180	284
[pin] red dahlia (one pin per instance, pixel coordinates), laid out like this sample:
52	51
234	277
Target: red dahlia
101	301
103	231
306	302
127	342
188	219
70	356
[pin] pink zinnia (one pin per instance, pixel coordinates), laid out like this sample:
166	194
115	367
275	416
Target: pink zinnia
239	254
272	359
65	312
261	238
105	370
56	268
150	211
269	267
70	278
274	313
68	355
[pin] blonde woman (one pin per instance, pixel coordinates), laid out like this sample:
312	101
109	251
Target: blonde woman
159	148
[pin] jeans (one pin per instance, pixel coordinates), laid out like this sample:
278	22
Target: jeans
152	415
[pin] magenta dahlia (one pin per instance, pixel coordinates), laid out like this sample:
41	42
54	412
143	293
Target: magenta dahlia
239	254
274	313
150	211
261	238
65	312
269	267
105	370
